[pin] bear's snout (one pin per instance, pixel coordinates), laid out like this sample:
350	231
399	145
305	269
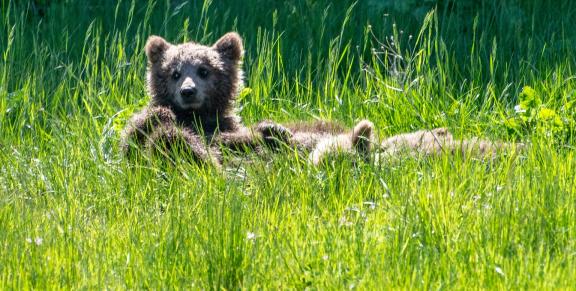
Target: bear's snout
188	93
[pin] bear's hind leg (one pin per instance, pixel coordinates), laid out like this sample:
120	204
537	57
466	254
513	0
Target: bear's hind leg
362	137
358	141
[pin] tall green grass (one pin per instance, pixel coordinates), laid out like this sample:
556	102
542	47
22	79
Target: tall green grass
74	214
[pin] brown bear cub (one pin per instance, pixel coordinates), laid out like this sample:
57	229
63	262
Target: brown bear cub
322	139
192	89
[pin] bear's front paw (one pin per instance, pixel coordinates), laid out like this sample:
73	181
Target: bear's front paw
174	143
274	134
161	115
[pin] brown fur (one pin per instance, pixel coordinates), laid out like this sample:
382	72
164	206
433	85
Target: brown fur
321	138
201	121
440	141
424	141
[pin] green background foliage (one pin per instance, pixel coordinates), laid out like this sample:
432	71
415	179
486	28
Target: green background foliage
74	214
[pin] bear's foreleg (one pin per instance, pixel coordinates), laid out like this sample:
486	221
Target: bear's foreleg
143	124
173	143
266	133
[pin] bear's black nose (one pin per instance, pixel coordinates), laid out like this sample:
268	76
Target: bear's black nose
188	93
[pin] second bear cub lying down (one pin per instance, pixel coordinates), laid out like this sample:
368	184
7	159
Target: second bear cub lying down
426	142
322	139
193	89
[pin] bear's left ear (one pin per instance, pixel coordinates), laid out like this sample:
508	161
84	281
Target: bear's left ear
230	46
155	48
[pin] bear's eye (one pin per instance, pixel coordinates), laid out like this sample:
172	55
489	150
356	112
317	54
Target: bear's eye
176	75
203	73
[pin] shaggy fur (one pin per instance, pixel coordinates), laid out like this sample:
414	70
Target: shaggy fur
440	141
322	139
358	141
193	88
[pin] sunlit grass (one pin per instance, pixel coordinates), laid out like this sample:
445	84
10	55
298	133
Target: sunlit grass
75	214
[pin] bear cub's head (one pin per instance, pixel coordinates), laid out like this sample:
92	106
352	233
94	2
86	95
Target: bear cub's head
193	77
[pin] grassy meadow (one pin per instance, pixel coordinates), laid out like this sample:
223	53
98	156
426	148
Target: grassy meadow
75	215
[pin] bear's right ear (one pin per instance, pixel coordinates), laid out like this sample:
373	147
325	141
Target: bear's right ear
155	48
